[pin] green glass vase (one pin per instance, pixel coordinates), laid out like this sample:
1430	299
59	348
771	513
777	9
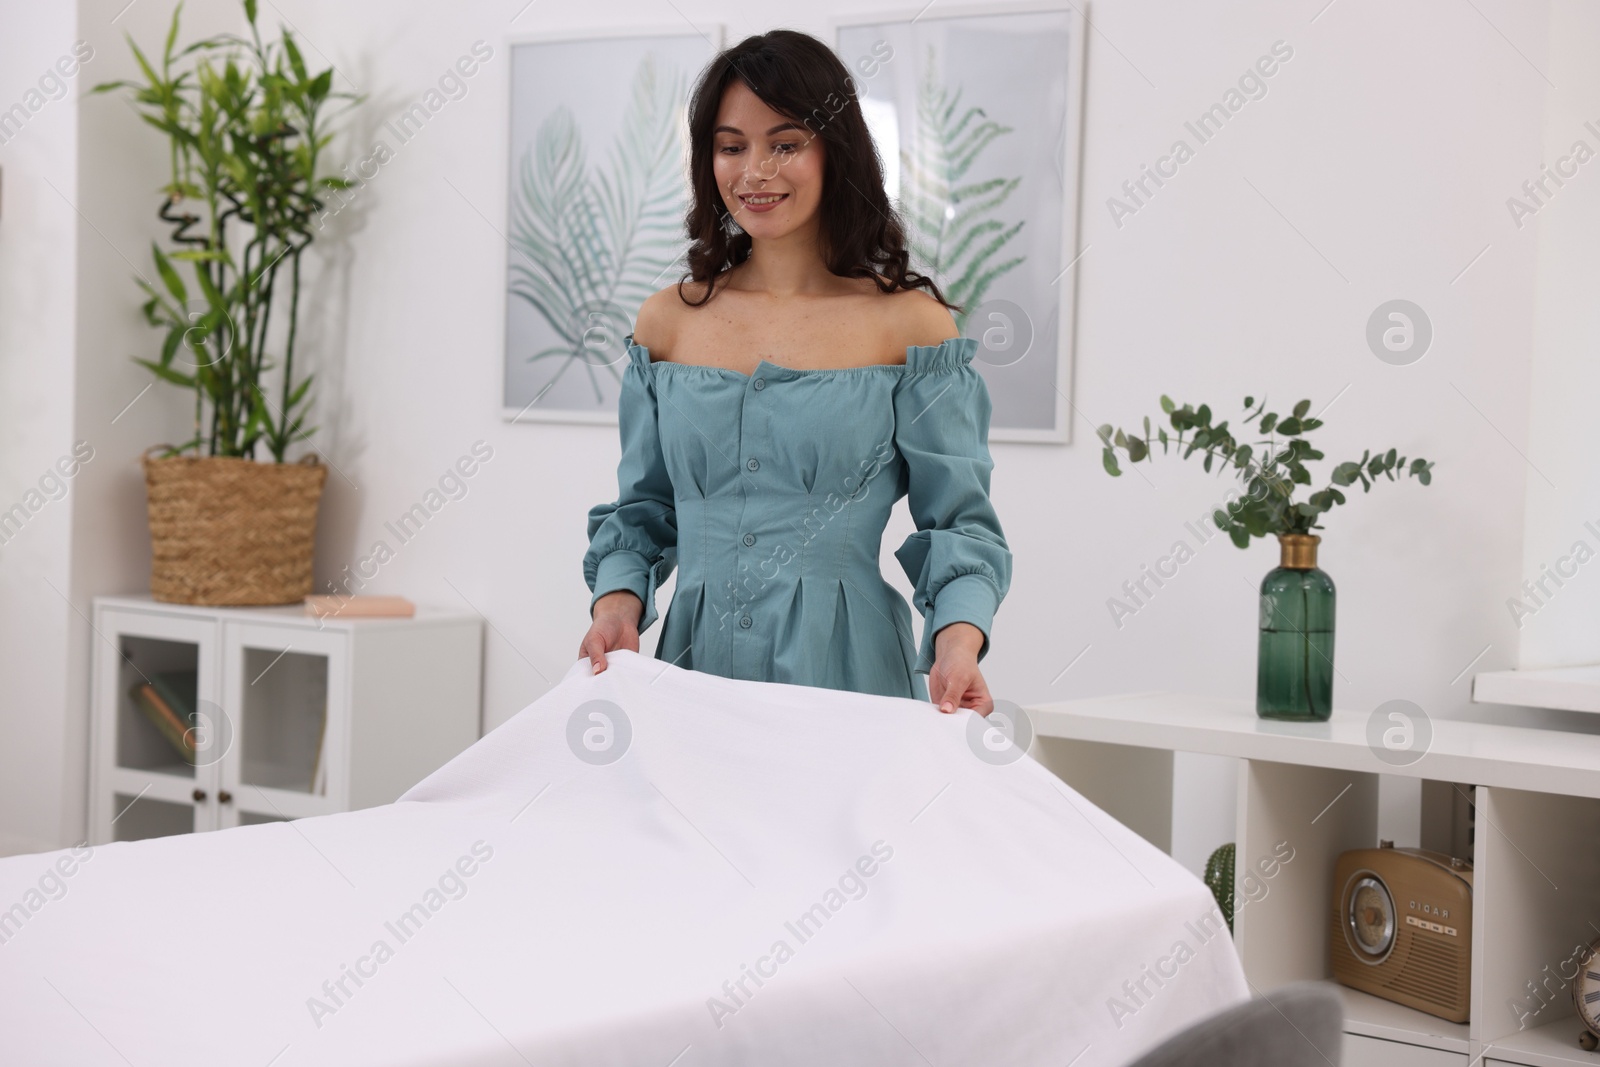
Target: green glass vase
1294	661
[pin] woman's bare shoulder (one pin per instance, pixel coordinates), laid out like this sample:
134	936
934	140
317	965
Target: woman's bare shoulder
919	319
662	315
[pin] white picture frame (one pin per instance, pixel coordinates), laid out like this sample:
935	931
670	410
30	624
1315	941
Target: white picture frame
1025	316
585	106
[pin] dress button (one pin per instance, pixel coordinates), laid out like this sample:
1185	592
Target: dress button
745	622
749	539
754	464
761	383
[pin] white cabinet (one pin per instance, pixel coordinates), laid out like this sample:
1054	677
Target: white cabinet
269	714
1534	840
1361	1051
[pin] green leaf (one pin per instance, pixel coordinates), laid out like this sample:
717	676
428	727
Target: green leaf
1290	426
213	297
144	64
1166	404
318	89
1109	459
169	347
300	391
170	276
1137	449
296	62
167	373
1268	421
1249	402
1301	408
172	39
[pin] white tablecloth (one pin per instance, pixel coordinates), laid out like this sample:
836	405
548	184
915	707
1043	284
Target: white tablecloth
726	872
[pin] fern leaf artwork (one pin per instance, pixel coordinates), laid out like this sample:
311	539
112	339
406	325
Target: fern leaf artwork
958	234
589	244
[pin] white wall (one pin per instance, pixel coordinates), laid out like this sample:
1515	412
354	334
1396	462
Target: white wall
1561	621
38	257
122	163
1389	141
1376	167
78	216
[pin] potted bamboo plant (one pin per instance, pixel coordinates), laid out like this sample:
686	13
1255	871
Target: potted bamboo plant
1294	660
245	122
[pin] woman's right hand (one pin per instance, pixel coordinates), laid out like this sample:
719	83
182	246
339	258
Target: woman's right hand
616	625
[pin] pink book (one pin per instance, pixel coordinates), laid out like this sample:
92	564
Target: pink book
351	607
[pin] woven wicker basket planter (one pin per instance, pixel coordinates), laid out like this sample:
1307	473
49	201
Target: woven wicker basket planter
233	531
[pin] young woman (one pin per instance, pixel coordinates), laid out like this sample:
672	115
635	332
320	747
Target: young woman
777	404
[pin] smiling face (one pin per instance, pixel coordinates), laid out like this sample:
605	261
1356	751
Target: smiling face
761	154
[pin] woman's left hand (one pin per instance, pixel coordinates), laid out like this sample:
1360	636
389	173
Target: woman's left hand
955	681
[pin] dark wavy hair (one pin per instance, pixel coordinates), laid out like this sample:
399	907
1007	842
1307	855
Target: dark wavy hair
802	79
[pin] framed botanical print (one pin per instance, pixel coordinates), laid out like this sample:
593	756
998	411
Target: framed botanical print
597	188
977	115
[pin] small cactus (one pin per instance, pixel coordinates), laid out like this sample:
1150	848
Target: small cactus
1219	879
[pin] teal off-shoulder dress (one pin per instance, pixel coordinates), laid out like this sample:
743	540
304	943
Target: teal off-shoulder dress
769	493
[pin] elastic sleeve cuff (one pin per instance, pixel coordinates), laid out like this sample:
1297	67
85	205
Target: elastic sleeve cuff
625	569
969	598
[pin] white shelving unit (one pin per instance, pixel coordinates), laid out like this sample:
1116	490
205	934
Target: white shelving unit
1566	688
1535	852
296	716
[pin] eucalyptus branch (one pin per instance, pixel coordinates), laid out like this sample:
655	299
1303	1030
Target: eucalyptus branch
1268	507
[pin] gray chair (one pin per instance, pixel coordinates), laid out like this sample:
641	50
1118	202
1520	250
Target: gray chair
1297	1025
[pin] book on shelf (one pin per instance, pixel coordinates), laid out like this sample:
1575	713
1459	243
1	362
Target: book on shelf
167	701
319	770
360	607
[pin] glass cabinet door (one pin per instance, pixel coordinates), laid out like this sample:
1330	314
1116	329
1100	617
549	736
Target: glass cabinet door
159	729
285	696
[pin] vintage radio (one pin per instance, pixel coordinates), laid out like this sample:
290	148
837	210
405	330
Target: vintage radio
1402	927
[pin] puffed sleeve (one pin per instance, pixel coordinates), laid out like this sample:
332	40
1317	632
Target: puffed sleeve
633	540
958	560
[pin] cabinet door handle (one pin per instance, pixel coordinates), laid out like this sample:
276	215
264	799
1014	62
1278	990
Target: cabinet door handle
199	795
224	796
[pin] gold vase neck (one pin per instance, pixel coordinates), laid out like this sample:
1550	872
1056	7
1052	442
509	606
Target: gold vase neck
1298	551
